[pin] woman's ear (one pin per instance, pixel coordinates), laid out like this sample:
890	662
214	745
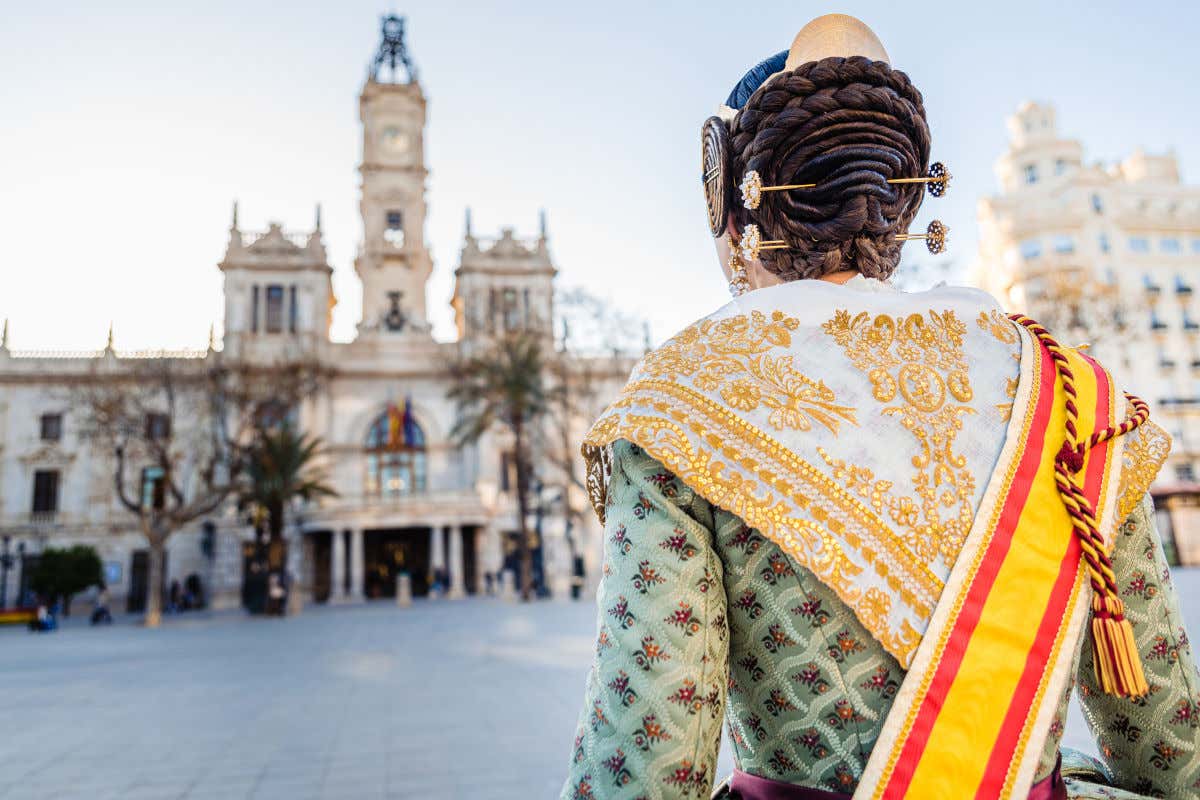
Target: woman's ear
731	228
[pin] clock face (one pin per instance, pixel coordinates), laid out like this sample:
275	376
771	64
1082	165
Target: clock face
395	141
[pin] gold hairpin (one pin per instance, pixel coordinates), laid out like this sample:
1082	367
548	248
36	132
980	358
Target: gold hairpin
936	182
752	189
752	242
935	236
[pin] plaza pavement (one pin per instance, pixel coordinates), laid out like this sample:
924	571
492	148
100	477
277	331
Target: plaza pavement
454	699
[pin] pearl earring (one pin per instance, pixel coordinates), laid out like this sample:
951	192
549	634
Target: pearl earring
739	281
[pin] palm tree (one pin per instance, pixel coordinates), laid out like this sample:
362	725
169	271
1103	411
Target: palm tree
279	467
504	385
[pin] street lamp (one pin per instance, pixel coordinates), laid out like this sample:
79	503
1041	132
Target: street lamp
208	546
6	562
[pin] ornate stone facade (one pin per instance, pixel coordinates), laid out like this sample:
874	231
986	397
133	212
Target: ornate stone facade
1109	255
438	507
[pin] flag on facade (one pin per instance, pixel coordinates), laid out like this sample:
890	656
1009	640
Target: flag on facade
412	433
395	429
402	426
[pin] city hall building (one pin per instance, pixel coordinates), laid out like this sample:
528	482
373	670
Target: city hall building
427	508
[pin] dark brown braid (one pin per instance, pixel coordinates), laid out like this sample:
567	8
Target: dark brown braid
846	124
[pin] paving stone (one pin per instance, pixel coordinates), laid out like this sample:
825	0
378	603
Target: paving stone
472	699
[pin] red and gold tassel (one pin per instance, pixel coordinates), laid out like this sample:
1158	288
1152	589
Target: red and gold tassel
1117	661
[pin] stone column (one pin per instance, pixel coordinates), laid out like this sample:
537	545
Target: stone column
437	551
457	582
356	564
337	566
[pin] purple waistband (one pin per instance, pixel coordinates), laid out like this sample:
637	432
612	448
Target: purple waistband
745	786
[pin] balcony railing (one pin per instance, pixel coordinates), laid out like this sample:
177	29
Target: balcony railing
294	238
1179	401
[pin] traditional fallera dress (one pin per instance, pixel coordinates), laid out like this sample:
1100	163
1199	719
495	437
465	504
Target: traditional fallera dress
834	521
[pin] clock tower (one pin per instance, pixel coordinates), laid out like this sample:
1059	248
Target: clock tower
393	262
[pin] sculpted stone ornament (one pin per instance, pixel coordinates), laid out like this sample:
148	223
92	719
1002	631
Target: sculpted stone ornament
395	319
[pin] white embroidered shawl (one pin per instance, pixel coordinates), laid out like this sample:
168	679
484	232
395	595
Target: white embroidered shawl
855	426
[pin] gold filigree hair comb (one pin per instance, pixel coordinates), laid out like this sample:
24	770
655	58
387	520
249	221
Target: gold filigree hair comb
936	183
752	242
935	236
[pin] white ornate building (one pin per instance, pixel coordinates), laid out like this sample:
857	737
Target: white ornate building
431	505
1125	240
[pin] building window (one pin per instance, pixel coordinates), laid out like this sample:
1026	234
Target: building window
1170	246
1139	244
1031	248
1064	244
1157	324
393	232
153	488
254	309
1060	166
395	454
512	312
508	471
292	308
45	491
1031	175
1196	246
158	427
1104	245
275	309
1185	473
1097	204
51	427
272	415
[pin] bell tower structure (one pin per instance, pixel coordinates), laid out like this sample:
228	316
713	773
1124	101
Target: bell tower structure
393	262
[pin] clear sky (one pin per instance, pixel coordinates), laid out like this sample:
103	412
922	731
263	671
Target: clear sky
128	129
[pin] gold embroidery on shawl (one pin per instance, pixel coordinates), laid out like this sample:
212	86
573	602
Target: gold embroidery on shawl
1001	327
922	362
1145	451
706	446
730	356
598	470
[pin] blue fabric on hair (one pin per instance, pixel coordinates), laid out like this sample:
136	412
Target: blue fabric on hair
754	79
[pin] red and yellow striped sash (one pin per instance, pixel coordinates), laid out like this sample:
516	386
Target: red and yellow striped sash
976	705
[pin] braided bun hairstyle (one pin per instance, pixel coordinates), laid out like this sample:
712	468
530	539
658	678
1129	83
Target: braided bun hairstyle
847	125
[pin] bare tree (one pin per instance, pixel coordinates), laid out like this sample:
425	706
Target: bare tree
598	347
1075	304
179	432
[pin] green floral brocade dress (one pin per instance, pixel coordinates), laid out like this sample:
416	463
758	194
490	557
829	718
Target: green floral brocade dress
702	620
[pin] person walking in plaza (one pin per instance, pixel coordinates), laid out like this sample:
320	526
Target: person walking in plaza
100	613
879	535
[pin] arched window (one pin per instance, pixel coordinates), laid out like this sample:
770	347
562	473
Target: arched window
395	455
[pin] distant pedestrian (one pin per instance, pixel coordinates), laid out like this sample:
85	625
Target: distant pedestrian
45	620
100	613
174	597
